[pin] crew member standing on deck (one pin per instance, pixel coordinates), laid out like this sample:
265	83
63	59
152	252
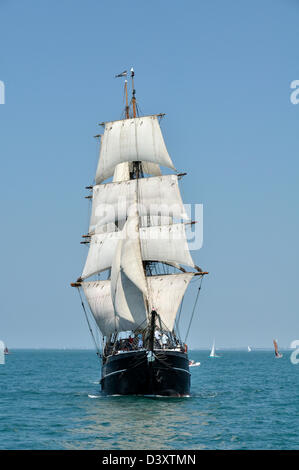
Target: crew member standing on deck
158	338
164	340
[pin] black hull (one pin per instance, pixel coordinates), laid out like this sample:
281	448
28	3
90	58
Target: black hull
132	373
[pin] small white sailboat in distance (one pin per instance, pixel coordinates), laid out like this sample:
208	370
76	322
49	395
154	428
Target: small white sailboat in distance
212	353
2	354
249	348
278	355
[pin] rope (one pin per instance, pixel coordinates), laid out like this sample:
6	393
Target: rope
88	323
198	292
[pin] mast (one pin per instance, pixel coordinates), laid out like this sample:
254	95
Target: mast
120	75
137	167
138	173
127	105
133	93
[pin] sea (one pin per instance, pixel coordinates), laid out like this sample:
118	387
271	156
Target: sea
51	399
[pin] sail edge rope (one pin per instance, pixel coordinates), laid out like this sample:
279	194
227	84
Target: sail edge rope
193	311
98	352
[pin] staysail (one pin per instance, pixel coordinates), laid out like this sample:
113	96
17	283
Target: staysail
128	284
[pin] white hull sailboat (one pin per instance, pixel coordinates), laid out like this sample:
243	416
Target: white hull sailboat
213	353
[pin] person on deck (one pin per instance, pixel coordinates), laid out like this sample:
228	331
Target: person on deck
164	340
158	338
140	341
131	340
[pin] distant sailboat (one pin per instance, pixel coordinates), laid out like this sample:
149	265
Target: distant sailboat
249	348
278	355
212	353
2	354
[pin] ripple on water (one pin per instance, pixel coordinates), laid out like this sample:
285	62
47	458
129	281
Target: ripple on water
233	405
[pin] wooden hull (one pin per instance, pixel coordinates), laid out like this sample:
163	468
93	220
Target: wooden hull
133	373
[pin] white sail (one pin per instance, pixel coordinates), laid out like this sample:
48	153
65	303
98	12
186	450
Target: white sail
165	243
156	196
155	220
167	293
116	270
212	353
150	168
98	295
131	257
128	284
122	170
144	221
100	254
135	139
129	302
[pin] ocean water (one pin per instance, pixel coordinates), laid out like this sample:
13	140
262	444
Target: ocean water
51	400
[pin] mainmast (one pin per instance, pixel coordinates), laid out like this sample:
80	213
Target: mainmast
133	93
127	105
137	166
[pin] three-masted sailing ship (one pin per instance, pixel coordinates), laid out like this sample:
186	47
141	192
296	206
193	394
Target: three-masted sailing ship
139	254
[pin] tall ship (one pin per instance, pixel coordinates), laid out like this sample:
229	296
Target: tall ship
138	265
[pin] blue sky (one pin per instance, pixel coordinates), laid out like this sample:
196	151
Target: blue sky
221	71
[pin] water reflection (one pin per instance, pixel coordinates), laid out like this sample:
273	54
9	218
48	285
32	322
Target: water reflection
138	423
